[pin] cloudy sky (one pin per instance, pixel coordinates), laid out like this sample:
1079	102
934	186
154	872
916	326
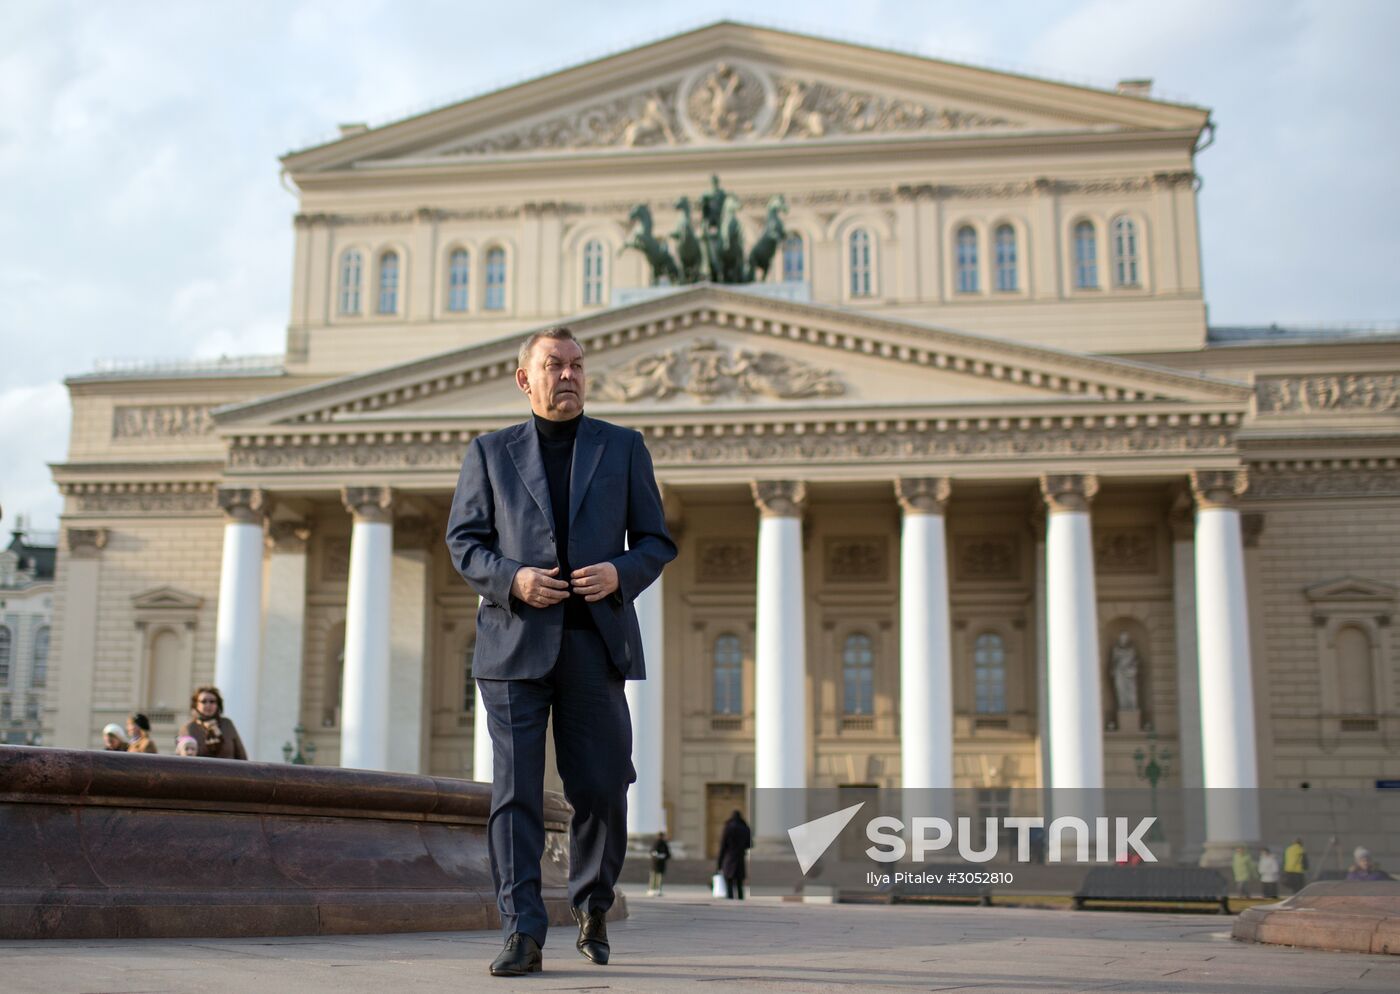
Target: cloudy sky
142	216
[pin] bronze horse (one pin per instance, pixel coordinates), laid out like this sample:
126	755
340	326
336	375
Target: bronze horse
663	265
688	252
774	233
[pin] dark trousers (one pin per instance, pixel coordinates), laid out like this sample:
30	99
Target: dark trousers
593	746
734	888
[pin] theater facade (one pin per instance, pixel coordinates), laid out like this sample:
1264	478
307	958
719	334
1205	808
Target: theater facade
966	491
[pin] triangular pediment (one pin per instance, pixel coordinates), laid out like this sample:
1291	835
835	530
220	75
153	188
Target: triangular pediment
733	85
1351	590
707	352
166	599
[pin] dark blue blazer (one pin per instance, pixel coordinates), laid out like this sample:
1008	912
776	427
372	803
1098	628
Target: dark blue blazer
502	519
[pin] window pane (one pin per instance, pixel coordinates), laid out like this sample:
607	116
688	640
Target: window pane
1125	252
1006	258
858	675
728	675
5	643
459	269
496	280
860	263
389	283
350	266
968	278
1086	260
794	260
989	661
40	674
593	273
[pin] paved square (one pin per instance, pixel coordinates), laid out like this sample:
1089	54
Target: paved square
688	942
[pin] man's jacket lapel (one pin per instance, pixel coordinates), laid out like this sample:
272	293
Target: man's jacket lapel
588	453
529	463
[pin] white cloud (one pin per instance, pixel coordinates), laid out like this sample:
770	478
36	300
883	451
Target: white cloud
33	432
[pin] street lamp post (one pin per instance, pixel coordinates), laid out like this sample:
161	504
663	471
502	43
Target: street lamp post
303	753
1152	767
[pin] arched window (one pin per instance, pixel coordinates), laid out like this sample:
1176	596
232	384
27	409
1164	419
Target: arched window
729	675
459	275
593	273
389	282
989	660
39	674
351	270
794	259
1354	678
496	279
858	675
1125	252
1086	256
1006	259
860	263
168	684
968	277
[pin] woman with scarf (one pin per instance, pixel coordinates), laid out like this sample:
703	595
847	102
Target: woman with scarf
212	732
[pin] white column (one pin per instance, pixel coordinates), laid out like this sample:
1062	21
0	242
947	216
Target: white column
780	693
646	813
1072	639
1230	765
364	725
1188	697
279	681
77	578
482	757
410	582
239	627
925	640
780	698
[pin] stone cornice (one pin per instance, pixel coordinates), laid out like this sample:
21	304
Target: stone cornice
123	496
1286	479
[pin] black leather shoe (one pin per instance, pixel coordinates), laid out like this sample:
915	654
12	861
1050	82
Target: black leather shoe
520	956
592	935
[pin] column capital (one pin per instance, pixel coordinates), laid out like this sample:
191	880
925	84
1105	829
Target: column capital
85	543
1068	491
1218	487
288	536
243	505
369	504
779	498
923	494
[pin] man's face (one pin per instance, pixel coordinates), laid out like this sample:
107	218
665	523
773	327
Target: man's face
553	379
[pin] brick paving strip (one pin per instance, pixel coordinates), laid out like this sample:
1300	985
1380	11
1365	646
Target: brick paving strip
685	942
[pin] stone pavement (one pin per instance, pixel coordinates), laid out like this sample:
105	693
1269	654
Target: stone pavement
689	942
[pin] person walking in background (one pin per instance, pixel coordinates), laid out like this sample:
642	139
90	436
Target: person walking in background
1366	868
214	735
138	727
1244	872
113	739
660	853
1295	866
185	745
1268	873
734	844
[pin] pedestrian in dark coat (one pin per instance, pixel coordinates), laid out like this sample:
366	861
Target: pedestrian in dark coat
212	732
660	853
734	844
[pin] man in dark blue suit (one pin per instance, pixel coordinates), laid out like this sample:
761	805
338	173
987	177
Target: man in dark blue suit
538	525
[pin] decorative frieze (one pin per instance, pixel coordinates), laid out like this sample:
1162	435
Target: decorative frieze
986	557
725	560
139	497
158	421
779	498
857	559
707	371
923	495
1331	393
1068	491
1324	478
1218	487
1125	550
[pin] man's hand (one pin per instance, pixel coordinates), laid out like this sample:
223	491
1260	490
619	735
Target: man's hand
538	587
595	582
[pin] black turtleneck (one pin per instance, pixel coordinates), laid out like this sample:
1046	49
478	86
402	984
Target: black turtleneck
557	448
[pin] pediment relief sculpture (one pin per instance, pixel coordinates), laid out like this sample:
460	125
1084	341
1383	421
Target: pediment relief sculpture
707	371
729	102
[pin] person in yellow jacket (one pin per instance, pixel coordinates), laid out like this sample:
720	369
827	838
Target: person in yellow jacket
1244	872
1295	866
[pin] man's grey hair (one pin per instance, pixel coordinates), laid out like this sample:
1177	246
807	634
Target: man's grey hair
557	333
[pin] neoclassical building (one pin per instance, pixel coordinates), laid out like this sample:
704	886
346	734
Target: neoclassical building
966	491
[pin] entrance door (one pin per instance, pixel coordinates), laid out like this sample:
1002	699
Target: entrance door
721	801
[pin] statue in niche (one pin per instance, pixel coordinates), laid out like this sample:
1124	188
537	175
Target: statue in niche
1125	665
